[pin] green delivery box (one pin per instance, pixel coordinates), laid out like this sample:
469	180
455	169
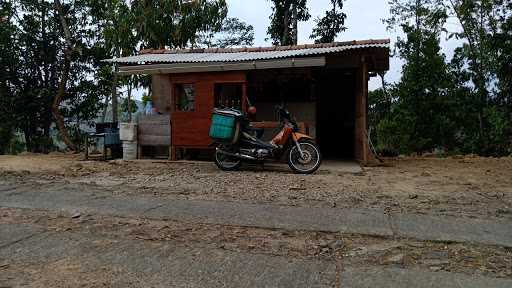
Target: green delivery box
223	127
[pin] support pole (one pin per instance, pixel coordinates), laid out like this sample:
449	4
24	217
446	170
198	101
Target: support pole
362	150
130	99
114	94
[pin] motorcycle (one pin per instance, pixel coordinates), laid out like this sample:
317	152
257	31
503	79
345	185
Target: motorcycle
236	141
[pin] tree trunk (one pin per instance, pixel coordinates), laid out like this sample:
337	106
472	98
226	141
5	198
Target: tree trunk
295	32
59	119
480	77
286	27
386	93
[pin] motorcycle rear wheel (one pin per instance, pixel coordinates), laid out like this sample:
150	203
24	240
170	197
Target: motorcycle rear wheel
226	162
312	157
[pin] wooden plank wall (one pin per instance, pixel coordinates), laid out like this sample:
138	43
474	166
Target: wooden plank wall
161	92
191	129
154	130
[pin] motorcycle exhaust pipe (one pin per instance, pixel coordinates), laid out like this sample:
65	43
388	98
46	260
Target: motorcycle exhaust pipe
237	155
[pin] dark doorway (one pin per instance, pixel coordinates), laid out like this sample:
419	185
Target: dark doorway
335	126
228	95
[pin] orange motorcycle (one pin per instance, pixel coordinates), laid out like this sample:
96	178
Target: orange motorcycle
237	141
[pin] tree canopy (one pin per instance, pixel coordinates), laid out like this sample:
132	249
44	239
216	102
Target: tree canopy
462	105
284	20
329	26
51	53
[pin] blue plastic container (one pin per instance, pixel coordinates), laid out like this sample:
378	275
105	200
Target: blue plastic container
223	127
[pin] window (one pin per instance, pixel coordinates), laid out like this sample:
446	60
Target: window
185	97
228	95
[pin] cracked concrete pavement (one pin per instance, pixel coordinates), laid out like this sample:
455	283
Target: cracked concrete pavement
37	256
354	221
146	264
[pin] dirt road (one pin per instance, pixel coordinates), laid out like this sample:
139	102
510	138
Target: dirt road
458	186
122	241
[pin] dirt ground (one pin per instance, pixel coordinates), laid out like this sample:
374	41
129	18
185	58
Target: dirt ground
462	186
457	186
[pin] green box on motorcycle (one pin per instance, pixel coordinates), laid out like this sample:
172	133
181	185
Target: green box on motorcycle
223	127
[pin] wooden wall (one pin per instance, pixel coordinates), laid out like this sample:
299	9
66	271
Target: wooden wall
161	92
191	129
154	130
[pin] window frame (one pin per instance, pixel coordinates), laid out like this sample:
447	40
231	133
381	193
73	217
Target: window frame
176	96
244	91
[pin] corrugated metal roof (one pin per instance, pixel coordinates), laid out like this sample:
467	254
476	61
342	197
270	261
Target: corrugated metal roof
262	54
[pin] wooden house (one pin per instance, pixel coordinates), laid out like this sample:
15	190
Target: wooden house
325	86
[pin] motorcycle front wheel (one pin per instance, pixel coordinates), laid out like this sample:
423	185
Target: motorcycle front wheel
311	160
226	162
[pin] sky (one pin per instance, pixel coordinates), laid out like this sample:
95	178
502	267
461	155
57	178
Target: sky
364	21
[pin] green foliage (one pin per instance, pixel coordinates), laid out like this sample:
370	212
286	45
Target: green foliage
8	75
176	23
232	33
145	99
32	46
498	131
124	106
462	106
284	18
328	27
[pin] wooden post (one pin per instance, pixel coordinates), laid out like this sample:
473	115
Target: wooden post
130	100
245	100
172	148
114	94
361	115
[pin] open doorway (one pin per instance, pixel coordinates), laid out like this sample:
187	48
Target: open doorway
291	88
335	125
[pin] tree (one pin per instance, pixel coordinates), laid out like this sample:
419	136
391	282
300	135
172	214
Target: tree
51	51
232	33
37	45
42	91
66	67
115	20
461	106
503	40
424	99
127	106
286	14
175	23
328	27
483	61
8	75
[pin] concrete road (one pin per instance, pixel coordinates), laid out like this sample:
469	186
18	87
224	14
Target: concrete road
34	254
355	221
87	259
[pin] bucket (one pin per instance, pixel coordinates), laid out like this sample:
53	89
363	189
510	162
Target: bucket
128	132
129	150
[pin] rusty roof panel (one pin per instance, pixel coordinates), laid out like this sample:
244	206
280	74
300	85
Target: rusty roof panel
245	54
